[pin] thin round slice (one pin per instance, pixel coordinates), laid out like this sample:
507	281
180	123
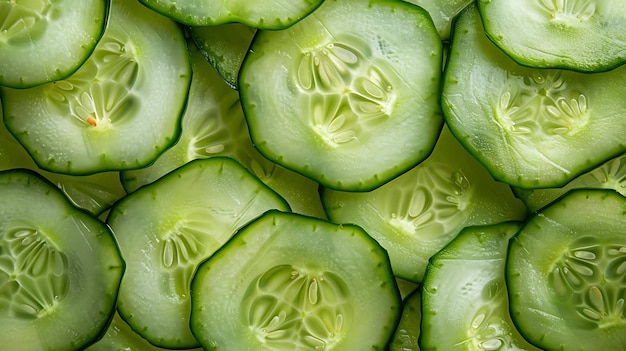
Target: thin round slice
288	282
581	35
566	273
465	304
60	268
264	14
44	41
532	128
341	101
166	228
120	110
418	213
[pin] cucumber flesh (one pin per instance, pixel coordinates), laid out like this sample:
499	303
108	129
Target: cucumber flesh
532	128
120	110
565	272
263	14
120	337
418	213
579	35
60	268
44	41
342	102
166	228
291	282
465	298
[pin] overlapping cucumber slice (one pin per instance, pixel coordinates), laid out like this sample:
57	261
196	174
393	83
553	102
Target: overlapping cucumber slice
290	282
532	128
122	107
565	273
339	100
60	268
465	303
44	40
580	35
166	228
418	213
265	14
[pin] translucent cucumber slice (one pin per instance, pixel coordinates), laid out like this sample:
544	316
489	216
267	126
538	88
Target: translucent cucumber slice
341	101
610	175
288	282
406	336
60	268
532	128
224	46
443	13
120	337
265	14
418	213
213	125
580	35
165	229
120	110
464	296
94	193
43	41
566	271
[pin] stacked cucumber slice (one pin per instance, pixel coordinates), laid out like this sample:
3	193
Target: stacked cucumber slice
312	175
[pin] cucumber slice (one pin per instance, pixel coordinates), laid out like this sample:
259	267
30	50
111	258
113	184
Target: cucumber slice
94	193
60	268
290	282
120	110
610	175
166	228
532	128
580	35
443	12
566	273
464	296
44	41
225	47
418	213
407	333
341	101
120	337
265	14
